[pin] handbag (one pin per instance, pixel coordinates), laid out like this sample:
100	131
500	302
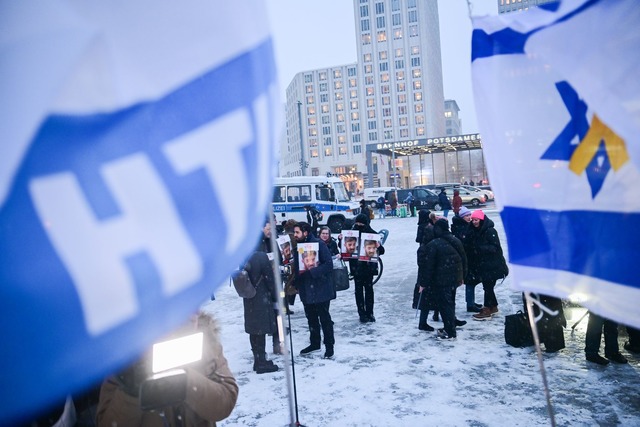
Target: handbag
517	331
340	275
243	285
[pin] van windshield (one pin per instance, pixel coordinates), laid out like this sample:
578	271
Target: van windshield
341	192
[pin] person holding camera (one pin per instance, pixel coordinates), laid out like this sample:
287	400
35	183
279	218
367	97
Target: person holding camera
208	393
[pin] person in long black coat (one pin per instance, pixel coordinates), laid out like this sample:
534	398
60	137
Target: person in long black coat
259	315
486	261
460	226
445	267
424	226
363	274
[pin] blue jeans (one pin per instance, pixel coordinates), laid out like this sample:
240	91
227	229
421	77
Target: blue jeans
445	212
470	295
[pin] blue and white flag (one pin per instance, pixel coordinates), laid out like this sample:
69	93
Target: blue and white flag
135	169
558	100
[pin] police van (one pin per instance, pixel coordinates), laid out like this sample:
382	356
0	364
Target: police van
292	197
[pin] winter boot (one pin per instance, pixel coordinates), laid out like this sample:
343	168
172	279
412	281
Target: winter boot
328	354
310	349
262	366
426	327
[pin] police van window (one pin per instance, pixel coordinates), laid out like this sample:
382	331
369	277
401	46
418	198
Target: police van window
299	193
323	193
421	194
279	192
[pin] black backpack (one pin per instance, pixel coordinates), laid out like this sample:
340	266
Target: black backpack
242	282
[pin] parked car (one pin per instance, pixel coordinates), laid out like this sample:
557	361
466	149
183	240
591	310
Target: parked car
487	193
423	198
470	198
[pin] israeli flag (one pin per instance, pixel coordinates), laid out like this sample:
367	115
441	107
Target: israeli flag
135	171
558	99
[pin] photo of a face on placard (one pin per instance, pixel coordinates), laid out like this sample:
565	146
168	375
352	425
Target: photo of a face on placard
369	247
284	243
349	244
307	256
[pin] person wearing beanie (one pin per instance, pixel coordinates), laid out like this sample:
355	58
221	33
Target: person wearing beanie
456	202
459	227
363	273
486	261
444	268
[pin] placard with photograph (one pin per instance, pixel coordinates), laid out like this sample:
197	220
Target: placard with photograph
349	245
369	247
284	243
308	254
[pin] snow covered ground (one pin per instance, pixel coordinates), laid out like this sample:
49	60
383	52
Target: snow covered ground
390	373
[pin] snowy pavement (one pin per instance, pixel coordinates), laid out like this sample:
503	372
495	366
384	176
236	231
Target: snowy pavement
390	373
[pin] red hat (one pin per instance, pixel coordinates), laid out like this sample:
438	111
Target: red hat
478	214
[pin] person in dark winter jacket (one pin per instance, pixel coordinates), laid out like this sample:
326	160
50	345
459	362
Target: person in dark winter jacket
486	261
460	225
550	326
445	204
363	273
325	236
424	226
444	270
259	315
316	290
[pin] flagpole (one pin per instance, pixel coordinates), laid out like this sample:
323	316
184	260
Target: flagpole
536	338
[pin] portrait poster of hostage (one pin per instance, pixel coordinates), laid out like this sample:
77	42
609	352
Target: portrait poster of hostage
349	245
308	256
284	243
369	247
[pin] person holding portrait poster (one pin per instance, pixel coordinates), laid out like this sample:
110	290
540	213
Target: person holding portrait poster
284	243
349	244
363	270
308	255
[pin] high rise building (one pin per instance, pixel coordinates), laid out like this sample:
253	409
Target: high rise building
393	93
507	6
453	124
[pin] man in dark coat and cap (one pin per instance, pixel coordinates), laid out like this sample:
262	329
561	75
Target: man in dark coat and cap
445	268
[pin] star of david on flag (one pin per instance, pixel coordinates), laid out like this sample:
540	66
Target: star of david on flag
135	173
558	98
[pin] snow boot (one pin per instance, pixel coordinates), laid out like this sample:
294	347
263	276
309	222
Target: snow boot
262	366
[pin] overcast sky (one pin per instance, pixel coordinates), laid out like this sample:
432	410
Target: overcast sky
319	34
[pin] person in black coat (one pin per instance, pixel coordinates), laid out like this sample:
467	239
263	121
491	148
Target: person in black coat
460	226
325	236
424	226
316	290
486	261
444	270
259	316
363	273
445	204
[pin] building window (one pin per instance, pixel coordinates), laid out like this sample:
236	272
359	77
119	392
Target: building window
340	106
315	172
366	39
327	141
342	151
311	121
388	134
415	50
386	100
326	130
342	139
355	115
404	133
399	63
337	84
311	110
364	25
386	112
387	123
313	132
373	136
401	87
337	74
371	125
355	127
364	11
371	114
327	152
382	55
379	8
353	83
411	3
420	131
380	22
370	91
419	108
309	99
384	77
314	153
382	36
413	31
402	98
399	52
322	75
417	84
402	121
351	71
417	96
395	5
357	149
448	114
313	142
371	102
402	109
309	88
396	19
325	120
354	105
419	119
324	108
413	16
384	89
340	129
323	87
415	62
340	117
368	69
397	34
324	97
384	66
338	96
308	78
353	94
399	75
